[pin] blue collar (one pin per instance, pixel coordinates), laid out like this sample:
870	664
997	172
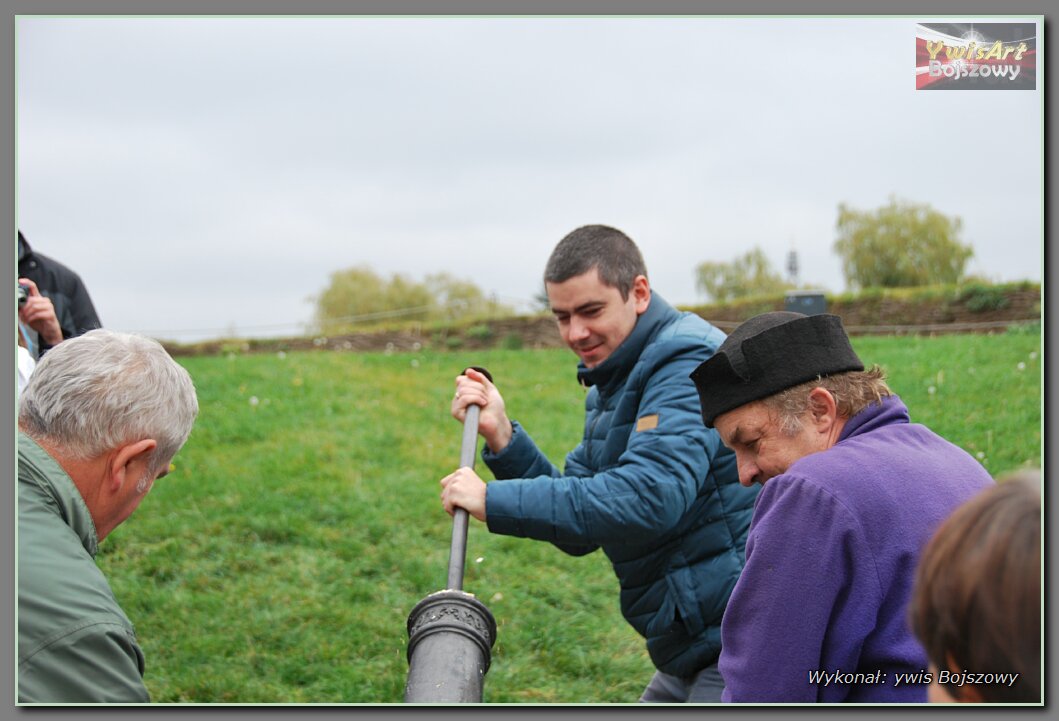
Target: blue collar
616	367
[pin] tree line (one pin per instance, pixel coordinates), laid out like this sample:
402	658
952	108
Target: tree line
901	244
359	296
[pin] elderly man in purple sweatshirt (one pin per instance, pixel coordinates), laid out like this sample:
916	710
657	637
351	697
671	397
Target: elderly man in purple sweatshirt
852	490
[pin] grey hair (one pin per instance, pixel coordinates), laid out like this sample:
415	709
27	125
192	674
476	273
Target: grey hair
96	392
597	246
853	391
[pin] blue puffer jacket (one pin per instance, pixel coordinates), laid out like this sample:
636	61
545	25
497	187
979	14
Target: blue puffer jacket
649	483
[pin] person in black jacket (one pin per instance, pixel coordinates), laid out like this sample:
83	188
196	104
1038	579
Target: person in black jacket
55	283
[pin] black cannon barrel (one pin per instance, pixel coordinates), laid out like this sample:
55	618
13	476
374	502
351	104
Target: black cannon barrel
451	633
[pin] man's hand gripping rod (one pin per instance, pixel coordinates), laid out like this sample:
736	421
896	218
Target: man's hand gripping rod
468	450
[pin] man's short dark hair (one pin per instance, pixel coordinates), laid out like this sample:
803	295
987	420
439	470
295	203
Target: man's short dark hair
597	246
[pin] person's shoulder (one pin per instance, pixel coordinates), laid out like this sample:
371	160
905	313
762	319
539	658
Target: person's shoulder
798	480
795	506
829	471
64	599
693	325
685	336
57	576
57	269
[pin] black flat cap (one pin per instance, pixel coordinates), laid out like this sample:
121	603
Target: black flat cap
770	353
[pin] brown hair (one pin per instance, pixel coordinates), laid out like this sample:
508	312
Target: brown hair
976	603
607	249
853	391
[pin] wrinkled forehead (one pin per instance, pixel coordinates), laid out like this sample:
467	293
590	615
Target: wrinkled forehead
735	425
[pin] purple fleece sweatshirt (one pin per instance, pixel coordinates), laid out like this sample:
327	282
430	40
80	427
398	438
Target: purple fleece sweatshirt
830	560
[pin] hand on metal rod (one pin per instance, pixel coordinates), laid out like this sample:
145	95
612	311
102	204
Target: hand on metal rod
478	405
463	492
475	388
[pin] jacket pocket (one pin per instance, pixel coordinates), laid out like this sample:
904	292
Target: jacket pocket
662	621
685	594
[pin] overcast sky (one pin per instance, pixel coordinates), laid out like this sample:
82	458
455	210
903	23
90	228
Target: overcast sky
208	174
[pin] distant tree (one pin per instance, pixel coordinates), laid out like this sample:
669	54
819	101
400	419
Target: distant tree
749	274
359	296
455	298
901	244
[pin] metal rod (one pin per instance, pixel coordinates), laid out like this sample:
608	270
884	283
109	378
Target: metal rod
458	550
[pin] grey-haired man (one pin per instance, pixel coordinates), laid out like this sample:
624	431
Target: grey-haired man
99	422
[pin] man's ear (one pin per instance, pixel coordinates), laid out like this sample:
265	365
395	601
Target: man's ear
823	411
641	291
130	459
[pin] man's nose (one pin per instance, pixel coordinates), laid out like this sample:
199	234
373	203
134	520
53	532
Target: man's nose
748	471
578	330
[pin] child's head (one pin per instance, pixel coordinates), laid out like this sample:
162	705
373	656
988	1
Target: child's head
976	604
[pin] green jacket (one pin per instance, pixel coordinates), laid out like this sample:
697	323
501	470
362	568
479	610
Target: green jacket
75	644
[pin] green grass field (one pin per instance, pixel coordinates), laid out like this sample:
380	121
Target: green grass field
279	561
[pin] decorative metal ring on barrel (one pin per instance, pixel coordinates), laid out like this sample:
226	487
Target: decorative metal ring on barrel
451	633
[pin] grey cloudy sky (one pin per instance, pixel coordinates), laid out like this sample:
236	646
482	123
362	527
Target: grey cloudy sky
208	174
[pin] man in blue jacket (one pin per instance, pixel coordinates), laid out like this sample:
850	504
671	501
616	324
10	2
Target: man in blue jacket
648	483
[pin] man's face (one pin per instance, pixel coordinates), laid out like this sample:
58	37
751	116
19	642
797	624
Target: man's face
128	499
593	318
762	450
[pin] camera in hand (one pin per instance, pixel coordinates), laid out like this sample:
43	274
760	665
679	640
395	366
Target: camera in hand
23	294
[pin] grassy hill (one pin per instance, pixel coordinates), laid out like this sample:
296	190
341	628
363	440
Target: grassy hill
279	561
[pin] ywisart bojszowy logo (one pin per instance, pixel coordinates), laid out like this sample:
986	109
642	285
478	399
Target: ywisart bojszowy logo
976	56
